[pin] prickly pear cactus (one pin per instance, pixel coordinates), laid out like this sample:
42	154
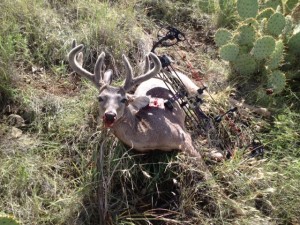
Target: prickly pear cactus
245	64
290	5
222	37
263	47
294	44
229	52
277	81
292	74
276	24
247	8
246	34
296	13
266	13
274	4
288	29
264	42
7	220
276	57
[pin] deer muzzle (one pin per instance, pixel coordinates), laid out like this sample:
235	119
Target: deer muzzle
109	118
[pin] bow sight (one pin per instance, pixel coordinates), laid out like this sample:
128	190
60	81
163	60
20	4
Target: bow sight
197	122
172	37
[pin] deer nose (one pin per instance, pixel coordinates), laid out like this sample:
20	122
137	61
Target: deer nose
110	116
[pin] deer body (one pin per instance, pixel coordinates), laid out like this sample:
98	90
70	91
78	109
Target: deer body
158	128
140	120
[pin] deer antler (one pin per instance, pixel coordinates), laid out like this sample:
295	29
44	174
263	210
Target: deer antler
147	64
75	59
96	78
130	82
79	56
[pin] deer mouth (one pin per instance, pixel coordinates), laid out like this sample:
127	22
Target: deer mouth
108	120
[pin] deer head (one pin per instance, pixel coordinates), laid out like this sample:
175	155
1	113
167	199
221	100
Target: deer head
114	100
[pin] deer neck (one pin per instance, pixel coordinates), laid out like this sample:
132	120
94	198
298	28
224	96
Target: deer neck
126	125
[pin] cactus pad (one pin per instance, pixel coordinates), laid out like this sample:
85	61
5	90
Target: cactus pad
229	52
222	37
290	4
277	81
244	49
292	74
8	220
294	43
288	25
274	4
244	64
246	35
276	56
266	13
263	47
295	13
276	24
247	8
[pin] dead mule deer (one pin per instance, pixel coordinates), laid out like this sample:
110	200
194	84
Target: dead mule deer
140	120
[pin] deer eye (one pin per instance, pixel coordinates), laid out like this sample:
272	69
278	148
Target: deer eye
100	99
124	100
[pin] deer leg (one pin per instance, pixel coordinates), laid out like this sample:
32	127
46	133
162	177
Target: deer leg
189	148
243	107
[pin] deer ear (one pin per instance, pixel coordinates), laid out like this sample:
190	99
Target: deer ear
107	77
139	102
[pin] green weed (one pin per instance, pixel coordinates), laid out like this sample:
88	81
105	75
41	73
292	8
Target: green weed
283	137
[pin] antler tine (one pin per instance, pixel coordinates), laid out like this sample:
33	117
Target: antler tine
74	43
79	56
77	67
129	72
98	68
147	64
131	82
